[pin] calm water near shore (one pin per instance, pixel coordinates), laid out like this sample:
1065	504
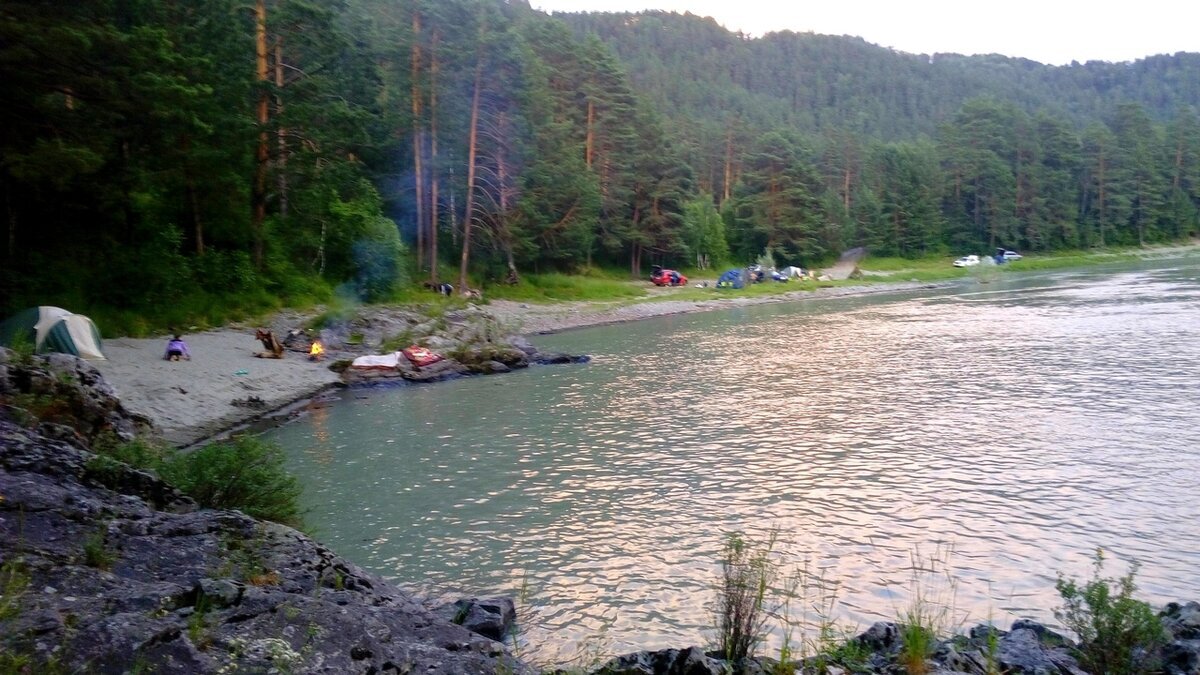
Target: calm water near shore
1021	423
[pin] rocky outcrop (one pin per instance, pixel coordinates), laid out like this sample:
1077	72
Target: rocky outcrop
107	569
471	342
1028	648
67	395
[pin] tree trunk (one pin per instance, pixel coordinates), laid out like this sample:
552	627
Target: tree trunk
1100	195
846	191
281	134
513	277
418	145
197	222
590	143
12	222
433	162
262	157
727	189
472	149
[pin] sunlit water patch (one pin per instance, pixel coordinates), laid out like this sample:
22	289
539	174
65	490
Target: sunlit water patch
1020	423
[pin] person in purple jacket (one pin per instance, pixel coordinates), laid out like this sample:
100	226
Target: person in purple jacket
177	349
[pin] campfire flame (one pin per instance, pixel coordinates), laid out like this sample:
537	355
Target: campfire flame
316	349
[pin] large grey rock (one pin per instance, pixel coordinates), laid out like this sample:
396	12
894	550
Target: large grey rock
176	589
1182	621
691	661
492	618
1181	657
70	392
1021	652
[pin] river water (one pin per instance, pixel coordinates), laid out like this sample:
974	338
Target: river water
966	444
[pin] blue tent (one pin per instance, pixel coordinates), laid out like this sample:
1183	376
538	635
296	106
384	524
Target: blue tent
731	279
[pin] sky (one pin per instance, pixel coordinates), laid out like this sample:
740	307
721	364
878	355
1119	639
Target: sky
1050	31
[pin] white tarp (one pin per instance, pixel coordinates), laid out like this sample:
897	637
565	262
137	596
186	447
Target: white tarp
377	361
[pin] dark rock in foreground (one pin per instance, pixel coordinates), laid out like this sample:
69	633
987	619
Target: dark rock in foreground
114	571
1029	648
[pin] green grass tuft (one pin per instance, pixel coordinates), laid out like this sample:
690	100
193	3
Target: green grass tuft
245	473
1118	634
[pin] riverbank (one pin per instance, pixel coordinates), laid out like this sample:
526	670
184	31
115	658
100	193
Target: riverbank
225	386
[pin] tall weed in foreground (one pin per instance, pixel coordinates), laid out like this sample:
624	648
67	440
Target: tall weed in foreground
930	610
824	642
1118	634
245	473
748	575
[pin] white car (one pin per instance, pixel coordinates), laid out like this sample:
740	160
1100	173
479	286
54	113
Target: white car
967	261
1011	255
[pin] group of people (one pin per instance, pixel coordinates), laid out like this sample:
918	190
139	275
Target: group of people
177	348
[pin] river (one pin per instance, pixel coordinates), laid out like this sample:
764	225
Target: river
994	433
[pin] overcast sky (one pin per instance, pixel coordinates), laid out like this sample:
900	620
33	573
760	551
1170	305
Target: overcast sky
1049	31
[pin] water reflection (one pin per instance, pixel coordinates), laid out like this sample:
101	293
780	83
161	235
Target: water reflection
1021	423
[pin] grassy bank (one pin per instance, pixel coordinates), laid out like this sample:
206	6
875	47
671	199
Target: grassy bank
199	311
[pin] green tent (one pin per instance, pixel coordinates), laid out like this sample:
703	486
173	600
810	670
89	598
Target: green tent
51	329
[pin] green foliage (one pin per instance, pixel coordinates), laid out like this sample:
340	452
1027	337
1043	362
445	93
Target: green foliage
1118	634
245	474
14	582
601	142
139	453
558	287
244	561
96	551
929	612
741	611
197	625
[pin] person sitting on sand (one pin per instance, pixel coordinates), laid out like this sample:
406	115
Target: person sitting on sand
270	343
177	349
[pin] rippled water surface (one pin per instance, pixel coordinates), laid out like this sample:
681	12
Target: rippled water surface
1007	429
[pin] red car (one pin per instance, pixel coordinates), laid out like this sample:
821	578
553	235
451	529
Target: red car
665	277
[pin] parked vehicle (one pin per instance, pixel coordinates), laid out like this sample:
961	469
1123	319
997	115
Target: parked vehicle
665	277
967	261
1004	255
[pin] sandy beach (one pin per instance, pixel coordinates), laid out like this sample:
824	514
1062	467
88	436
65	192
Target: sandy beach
190	401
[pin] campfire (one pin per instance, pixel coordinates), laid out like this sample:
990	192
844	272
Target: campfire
316	351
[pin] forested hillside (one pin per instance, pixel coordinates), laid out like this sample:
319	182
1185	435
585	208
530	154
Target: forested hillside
690	65
170	161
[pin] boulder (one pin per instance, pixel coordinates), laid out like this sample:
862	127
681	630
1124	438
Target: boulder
492	618
112	578
1182	621
691	661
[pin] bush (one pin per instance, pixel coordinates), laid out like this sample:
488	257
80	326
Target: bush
245	474
1117	633
139	453
747	573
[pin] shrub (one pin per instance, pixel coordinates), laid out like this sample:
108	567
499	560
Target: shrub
929	613
139	453
747	573
245	474
96	552
1117	633
14	581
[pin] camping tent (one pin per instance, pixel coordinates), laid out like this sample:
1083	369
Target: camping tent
731	279
52	329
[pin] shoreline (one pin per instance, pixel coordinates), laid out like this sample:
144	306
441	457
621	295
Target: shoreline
210	395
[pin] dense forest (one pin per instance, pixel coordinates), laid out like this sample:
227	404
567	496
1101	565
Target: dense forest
175	158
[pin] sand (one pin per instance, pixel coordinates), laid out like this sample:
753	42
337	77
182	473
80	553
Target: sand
190	401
